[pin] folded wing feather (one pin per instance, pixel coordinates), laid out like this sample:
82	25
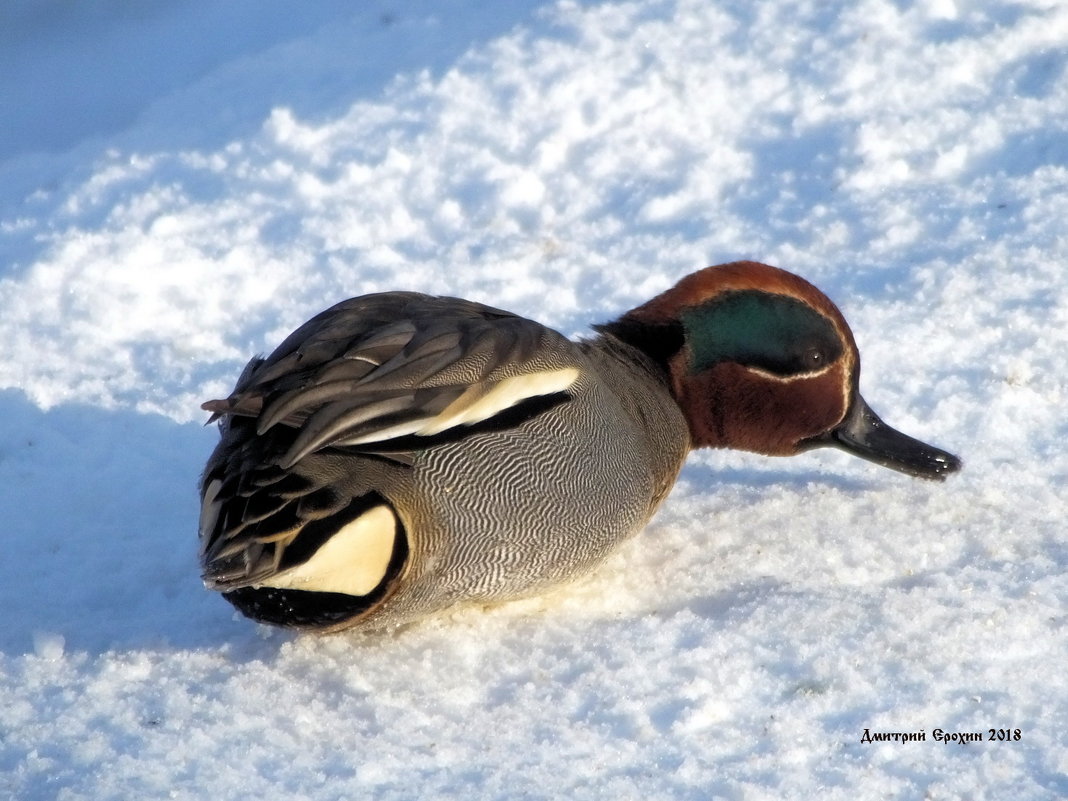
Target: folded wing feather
397	364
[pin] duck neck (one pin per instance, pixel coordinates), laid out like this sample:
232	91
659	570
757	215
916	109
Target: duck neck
642	386
655	343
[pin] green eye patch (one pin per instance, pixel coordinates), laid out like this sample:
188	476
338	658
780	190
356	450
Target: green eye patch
775	333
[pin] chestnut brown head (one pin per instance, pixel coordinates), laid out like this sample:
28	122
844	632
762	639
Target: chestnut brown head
761	360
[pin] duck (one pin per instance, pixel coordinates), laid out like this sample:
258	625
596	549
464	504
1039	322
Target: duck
400	454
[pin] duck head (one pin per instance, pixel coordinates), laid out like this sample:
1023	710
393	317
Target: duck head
761	360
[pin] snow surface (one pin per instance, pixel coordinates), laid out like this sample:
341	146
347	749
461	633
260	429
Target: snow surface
183	183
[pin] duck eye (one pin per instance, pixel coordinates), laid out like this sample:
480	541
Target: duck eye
814	358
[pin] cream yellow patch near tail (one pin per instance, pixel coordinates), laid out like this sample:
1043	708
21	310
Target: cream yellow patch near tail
353	561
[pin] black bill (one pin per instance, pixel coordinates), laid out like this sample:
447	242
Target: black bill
863	434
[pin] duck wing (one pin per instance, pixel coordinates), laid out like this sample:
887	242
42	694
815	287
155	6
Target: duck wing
373	371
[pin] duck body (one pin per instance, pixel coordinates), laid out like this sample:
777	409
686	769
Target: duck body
571	455
399	453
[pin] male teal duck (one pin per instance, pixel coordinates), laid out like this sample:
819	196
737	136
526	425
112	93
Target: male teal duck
400	453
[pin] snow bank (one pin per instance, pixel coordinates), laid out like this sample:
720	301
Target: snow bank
909	159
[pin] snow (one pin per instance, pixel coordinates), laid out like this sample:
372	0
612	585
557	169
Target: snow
182	184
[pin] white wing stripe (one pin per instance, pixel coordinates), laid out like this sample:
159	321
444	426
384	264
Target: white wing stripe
474	405
503	395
